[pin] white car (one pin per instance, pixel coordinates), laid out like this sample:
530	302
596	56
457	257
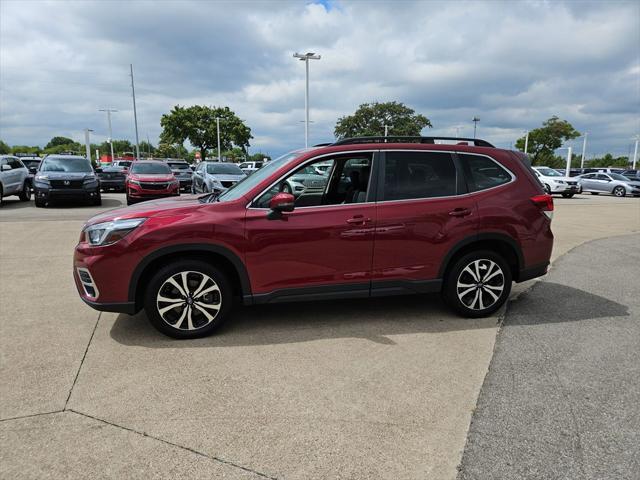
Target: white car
250	167
14	178
554	182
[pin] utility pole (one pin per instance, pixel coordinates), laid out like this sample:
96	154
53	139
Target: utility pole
305	58
584	149
87	142
568	170
109	110
635	153
526	142
475	121
135	114
386	130
218	129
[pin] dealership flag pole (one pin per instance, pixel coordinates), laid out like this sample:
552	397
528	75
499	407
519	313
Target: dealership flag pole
584	149
135	114
635	152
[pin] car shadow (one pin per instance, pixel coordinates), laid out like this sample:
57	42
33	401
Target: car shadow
375	320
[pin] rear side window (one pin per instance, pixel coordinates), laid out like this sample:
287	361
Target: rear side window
412	175
482	172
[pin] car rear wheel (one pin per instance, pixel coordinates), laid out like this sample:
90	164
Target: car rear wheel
619	191
478	284
25	194
567	195
595	193
188	299
40	203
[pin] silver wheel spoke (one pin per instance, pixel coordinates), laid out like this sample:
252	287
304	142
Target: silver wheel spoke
497	272
201	286
467	291
471	272
488	272
466	285
189	319
185	284
480	299
495	297
208	305
204	312
178	324
213	288
477	265
475	300
178	287
164	310
494	287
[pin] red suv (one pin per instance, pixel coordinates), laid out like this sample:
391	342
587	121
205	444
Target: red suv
150	179
375	216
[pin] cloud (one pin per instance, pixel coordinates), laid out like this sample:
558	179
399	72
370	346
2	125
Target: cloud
513	64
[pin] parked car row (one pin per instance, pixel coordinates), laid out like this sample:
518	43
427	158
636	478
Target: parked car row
604	181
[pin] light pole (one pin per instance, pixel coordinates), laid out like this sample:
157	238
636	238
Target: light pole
568	166
109	110
305	58
135	115
475	121
218	129
635	152
584	149
87	142
526	142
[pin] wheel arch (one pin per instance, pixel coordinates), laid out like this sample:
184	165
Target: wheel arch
502	244
217	255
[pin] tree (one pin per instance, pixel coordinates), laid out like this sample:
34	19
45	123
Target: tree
544	140
4	148
166	150
198	125
57	141
370	119
25	149
259	157
146	149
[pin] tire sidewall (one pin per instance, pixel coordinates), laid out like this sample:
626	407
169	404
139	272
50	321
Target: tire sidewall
451	279
617	189
163	274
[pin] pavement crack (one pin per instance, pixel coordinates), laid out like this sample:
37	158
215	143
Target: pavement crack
20	417
182	447
75	380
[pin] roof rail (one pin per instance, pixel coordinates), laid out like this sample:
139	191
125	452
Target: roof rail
410	139
323	144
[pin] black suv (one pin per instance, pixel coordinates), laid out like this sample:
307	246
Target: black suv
66	177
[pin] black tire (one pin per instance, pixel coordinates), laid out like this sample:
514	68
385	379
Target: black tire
40	203
129	201
568	195
450	290
197	271
98	200
619	191
25	194
1	195
595	193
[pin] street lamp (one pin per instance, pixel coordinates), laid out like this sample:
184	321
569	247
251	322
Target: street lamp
635	152
109	110
475	121
305	57
88	143
584	149
218	129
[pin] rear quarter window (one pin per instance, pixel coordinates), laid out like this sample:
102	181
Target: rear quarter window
483	172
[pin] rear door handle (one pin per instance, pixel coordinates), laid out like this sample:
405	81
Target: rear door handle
358	220
460	212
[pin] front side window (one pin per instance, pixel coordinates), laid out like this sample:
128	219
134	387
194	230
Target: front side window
15	163
342	180
413	175
482	172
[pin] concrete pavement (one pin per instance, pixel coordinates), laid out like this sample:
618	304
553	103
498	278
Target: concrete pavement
382	388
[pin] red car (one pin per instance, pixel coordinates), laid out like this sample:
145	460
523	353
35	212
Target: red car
150	179
382	216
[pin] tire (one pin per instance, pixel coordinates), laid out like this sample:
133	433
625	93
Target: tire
619	191
1	195
568	195
25	194
547	189
129	201
98	200
461	287
595	193
187	311
40	203
193	189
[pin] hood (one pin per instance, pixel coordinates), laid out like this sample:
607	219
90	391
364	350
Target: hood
152	177
228	178
150	208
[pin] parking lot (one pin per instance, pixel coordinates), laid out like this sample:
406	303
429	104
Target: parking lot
380	388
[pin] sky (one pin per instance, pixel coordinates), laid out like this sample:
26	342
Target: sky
513	64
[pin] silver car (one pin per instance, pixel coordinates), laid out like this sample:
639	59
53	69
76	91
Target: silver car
14	178
612	183
212	177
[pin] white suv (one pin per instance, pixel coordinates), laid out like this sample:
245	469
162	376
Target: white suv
554	182
14	178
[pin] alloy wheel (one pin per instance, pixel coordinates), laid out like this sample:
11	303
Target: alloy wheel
189	300
480	284
619	192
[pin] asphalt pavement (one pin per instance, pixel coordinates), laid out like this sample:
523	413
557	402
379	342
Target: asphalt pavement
561	399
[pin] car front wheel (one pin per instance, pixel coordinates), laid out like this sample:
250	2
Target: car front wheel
478	284
567	195
619	191
188	299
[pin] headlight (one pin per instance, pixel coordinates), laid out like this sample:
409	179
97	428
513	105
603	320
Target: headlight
42	178
89	179
110	232
135	182
559	181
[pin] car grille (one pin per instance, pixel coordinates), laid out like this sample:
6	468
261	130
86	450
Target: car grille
66	183
227	184
154	186
111	176
572	183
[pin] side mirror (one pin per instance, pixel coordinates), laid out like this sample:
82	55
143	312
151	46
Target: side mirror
282	202
33	170
5	168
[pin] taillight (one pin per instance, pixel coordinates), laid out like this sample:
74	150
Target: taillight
544	203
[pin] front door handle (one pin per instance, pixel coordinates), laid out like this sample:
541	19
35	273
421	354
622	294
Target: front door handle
358	220
460	212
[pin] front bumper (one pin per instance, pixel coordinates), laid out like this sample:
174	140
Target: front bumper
116	184
49	194
136	192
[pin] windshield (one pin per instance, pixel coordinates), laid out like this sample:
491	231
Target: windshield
150	168
71	165
125	163
548	172
247	183
617	176
179	166
224	169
